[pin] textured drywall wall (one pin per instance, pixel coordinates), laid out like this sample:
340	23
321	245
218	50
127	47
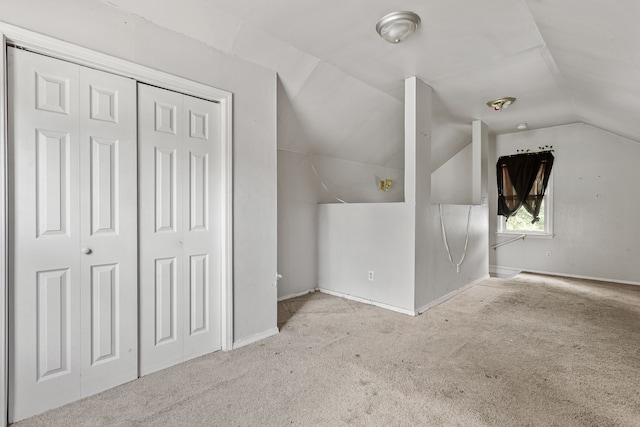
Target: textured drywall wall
297	225
451	182
595	174
357	238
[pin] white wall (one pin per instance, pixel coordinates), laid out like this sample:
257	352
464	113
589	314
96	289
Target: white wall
357	238
459	180
451	182
105	29
299	192
596	205
402	242
297	224
356	182
443	278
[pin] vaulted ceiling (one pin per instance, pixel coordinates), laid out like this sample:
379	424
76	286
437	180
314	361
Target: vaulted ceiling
341	85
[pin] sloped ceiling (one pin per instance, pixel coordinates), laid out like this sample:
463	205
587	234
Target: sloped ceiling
341	86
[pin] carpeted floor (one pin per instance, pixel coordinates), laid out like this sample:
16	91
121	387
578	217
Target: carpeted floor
529	351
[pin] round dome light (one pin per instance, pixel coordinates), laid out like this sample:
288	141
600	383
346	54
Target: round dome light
397	26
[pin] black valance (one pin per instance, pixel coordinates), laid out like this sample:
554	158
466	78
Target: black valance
522	181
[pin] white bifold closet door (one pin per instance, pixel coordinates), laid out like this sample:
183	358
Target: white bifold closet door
180	199
73	213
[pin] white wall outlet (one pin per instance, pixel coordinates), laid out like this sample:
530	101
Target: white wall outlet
549	253
372	276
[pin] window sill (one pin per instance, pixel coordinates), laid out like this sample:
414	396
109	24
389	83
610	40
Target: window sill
529	235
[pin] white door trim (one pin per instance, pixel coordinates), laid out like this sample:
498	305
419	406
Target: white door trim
12	35
4	228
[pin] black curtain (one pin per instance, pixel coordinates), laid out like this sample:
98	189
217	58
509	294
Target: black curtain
522	181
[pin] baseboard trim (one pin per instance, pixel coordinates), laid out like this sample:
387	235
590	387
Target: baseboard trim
297	294
503	272
450	295
573	276
255	338
368	301
402	310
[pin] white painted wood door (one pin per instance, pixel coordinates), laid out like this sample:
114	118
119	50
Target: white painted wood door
73	212
180	227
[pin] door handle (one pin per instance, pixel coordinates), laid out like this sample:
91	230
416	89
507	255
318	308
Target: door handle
86	251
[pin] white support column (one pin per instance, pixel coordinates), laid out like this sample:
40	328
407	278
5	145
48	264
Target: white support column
417	181
417	141
480	165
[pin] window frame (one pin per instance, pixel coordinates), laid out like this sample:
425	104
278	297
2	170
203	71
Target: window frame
548	218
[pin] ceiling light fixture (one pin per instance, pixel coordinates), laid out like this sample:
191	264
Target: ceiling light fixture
500	103
522	126
397	26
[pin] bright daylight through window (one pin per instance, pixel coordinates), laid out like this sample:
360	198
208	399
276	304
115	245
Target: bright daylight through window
521	221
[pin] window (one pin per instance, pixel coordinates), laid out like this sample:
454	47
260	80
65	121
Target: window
524	193
520	222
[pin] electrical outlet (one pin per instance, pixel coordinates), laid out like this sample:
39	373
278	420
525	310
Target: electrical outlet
548	253
372	276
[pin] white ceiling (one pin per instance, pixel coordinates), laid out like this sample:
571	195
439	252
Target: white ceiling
341	85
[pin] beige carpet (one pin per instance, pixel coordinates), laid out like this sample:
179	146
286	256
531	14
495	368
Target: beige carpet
530	351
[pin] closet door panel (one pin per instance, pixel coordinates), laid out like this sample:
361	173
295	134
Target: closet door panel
161	170
45	222
202	233
108	166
